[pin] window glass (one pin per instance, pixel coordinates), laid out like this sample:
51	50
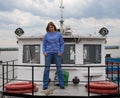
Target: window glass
92	54
69	54
31	54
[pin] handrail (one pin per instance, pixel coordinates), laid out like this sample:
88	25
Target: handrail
33	80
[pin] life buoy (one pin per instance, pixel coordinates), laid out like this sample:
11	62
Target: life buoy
20	85
20	91
102	87
103	91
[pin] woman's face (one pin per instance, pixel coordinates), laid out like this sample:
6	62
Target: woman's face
51	28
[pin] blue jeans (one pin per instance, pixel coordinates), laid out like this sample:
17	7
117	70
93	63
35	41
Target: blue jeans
48	60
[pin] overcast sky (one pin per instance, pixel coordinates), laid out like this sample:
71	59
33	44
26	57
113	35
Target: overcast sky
83	16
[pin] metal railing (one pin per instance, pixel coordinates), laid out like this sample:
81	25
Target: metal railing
8	69
11	64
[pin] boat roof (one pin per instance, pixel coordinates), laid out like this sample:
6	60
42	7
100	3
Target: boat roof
65	37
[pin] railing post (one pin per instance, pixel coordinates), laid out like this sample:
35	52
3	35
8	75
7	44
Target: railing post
7	72
88	81
32	80
2	96
3	77
13	68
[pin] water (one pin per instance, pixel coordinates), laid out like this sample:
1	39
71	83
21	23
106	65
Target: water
8	55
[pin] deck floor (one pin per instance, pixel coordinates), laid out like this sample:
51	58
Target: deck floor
70	90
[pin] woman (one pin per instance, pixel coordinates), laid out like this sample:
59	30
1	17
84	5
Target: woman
53	48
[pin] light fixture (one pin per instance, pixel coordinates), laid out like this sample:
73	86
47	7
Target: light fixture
103	31
19	32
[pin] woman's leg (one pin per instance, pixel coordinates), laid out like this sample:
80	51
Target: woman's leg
58	60
46	71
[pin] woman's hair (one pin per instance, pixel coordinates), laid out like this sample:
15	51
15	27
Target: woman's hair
52	24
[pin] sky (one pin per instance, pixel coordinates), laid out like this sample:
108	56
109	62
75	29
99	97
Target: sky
83	16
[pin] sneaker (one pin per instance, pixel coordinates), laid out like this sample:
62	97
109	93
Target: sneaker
62	87
44	88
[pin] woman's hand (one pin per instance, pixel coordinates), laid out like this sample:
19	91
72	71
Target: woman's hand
45	54
59	54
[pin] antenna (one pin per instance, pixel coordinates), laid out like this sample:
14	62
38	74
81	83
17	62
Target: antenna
61	21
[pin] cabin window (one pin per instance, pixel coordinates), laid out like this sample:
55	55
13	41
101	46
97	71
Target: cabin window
92	54
69	54
31	54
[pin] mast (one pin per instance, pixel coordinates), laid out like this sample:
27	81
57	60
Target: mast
61	21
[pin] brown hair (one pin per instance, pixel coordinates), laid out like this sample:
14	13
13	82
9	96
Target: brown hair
51	23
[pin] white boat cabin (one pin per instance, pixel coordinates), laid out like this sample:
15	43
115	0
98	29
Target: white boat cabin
78	51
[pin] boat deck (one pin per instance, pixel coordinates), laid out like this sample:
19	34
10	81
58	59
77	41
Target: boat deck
70	91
